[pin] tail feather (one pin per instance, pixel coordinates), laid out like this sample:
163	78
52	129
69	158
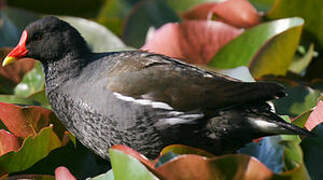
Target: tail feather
269	122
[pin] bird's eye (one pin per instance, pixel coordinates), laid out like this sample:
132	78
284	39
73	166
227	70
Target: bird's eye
37	36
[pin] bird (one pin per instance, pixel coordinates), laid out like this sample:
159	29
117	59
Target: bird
146	100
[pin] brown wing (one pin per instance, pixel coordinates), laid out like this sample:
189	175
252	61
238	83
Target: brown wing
182	86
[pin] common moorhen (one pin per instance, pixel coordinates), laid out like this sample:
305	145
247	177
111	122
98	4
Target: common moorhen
146	100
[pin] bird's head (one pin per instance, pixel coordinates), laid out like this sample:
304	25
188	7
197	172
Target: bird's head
47	39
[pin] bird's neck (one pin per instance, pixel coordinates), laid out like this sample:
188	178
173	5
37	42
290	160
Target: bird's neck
60	71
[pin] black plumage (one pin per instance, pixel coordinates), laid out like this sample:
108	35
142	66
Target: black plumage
144	100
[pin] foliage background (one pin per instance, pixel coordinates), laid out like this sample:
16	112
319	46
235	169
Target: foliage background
276	40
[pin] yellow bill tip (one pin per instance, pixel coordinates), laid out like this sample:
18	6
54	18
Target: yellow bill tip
8	60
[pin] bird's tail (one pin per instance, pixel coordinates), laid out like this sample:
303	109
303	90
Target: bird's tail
271	123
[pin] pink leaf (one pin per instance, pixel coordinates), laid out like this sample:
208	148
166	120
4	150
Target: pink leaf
62	173
239	13
316	116
8	142
193	41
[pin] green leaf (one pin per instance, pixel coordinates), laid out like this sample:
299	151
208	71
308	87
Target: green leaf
182	5
41	98
146	14
311	11
262	5
32	150
293	155
266	49
97	36
182	149
126	167
113	13
32	82
299	64
302	118
299	100
12	99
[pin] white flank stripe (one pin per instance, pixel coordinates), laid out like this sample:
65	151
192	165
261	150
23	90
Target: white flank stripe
147	102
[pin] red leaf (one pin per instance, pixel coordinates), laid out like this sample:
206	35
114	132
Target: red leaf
8	142
14	72
24	121
239	13
243	167
192	41
62	173
127	150
316	116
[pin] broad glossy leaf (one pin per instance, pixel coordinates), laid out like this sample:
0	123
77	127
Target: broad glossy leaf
190	166
32	150
311	11
239	13
313	156
127	167
97	36
32	82
262	5
127	150
299	100
266	49
293	155
194	41
113	14
302	118
172	151
182	149
29	120
62	173
41	98
235	167
8	142
183	5
12	99
165	158
300	63
146	14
